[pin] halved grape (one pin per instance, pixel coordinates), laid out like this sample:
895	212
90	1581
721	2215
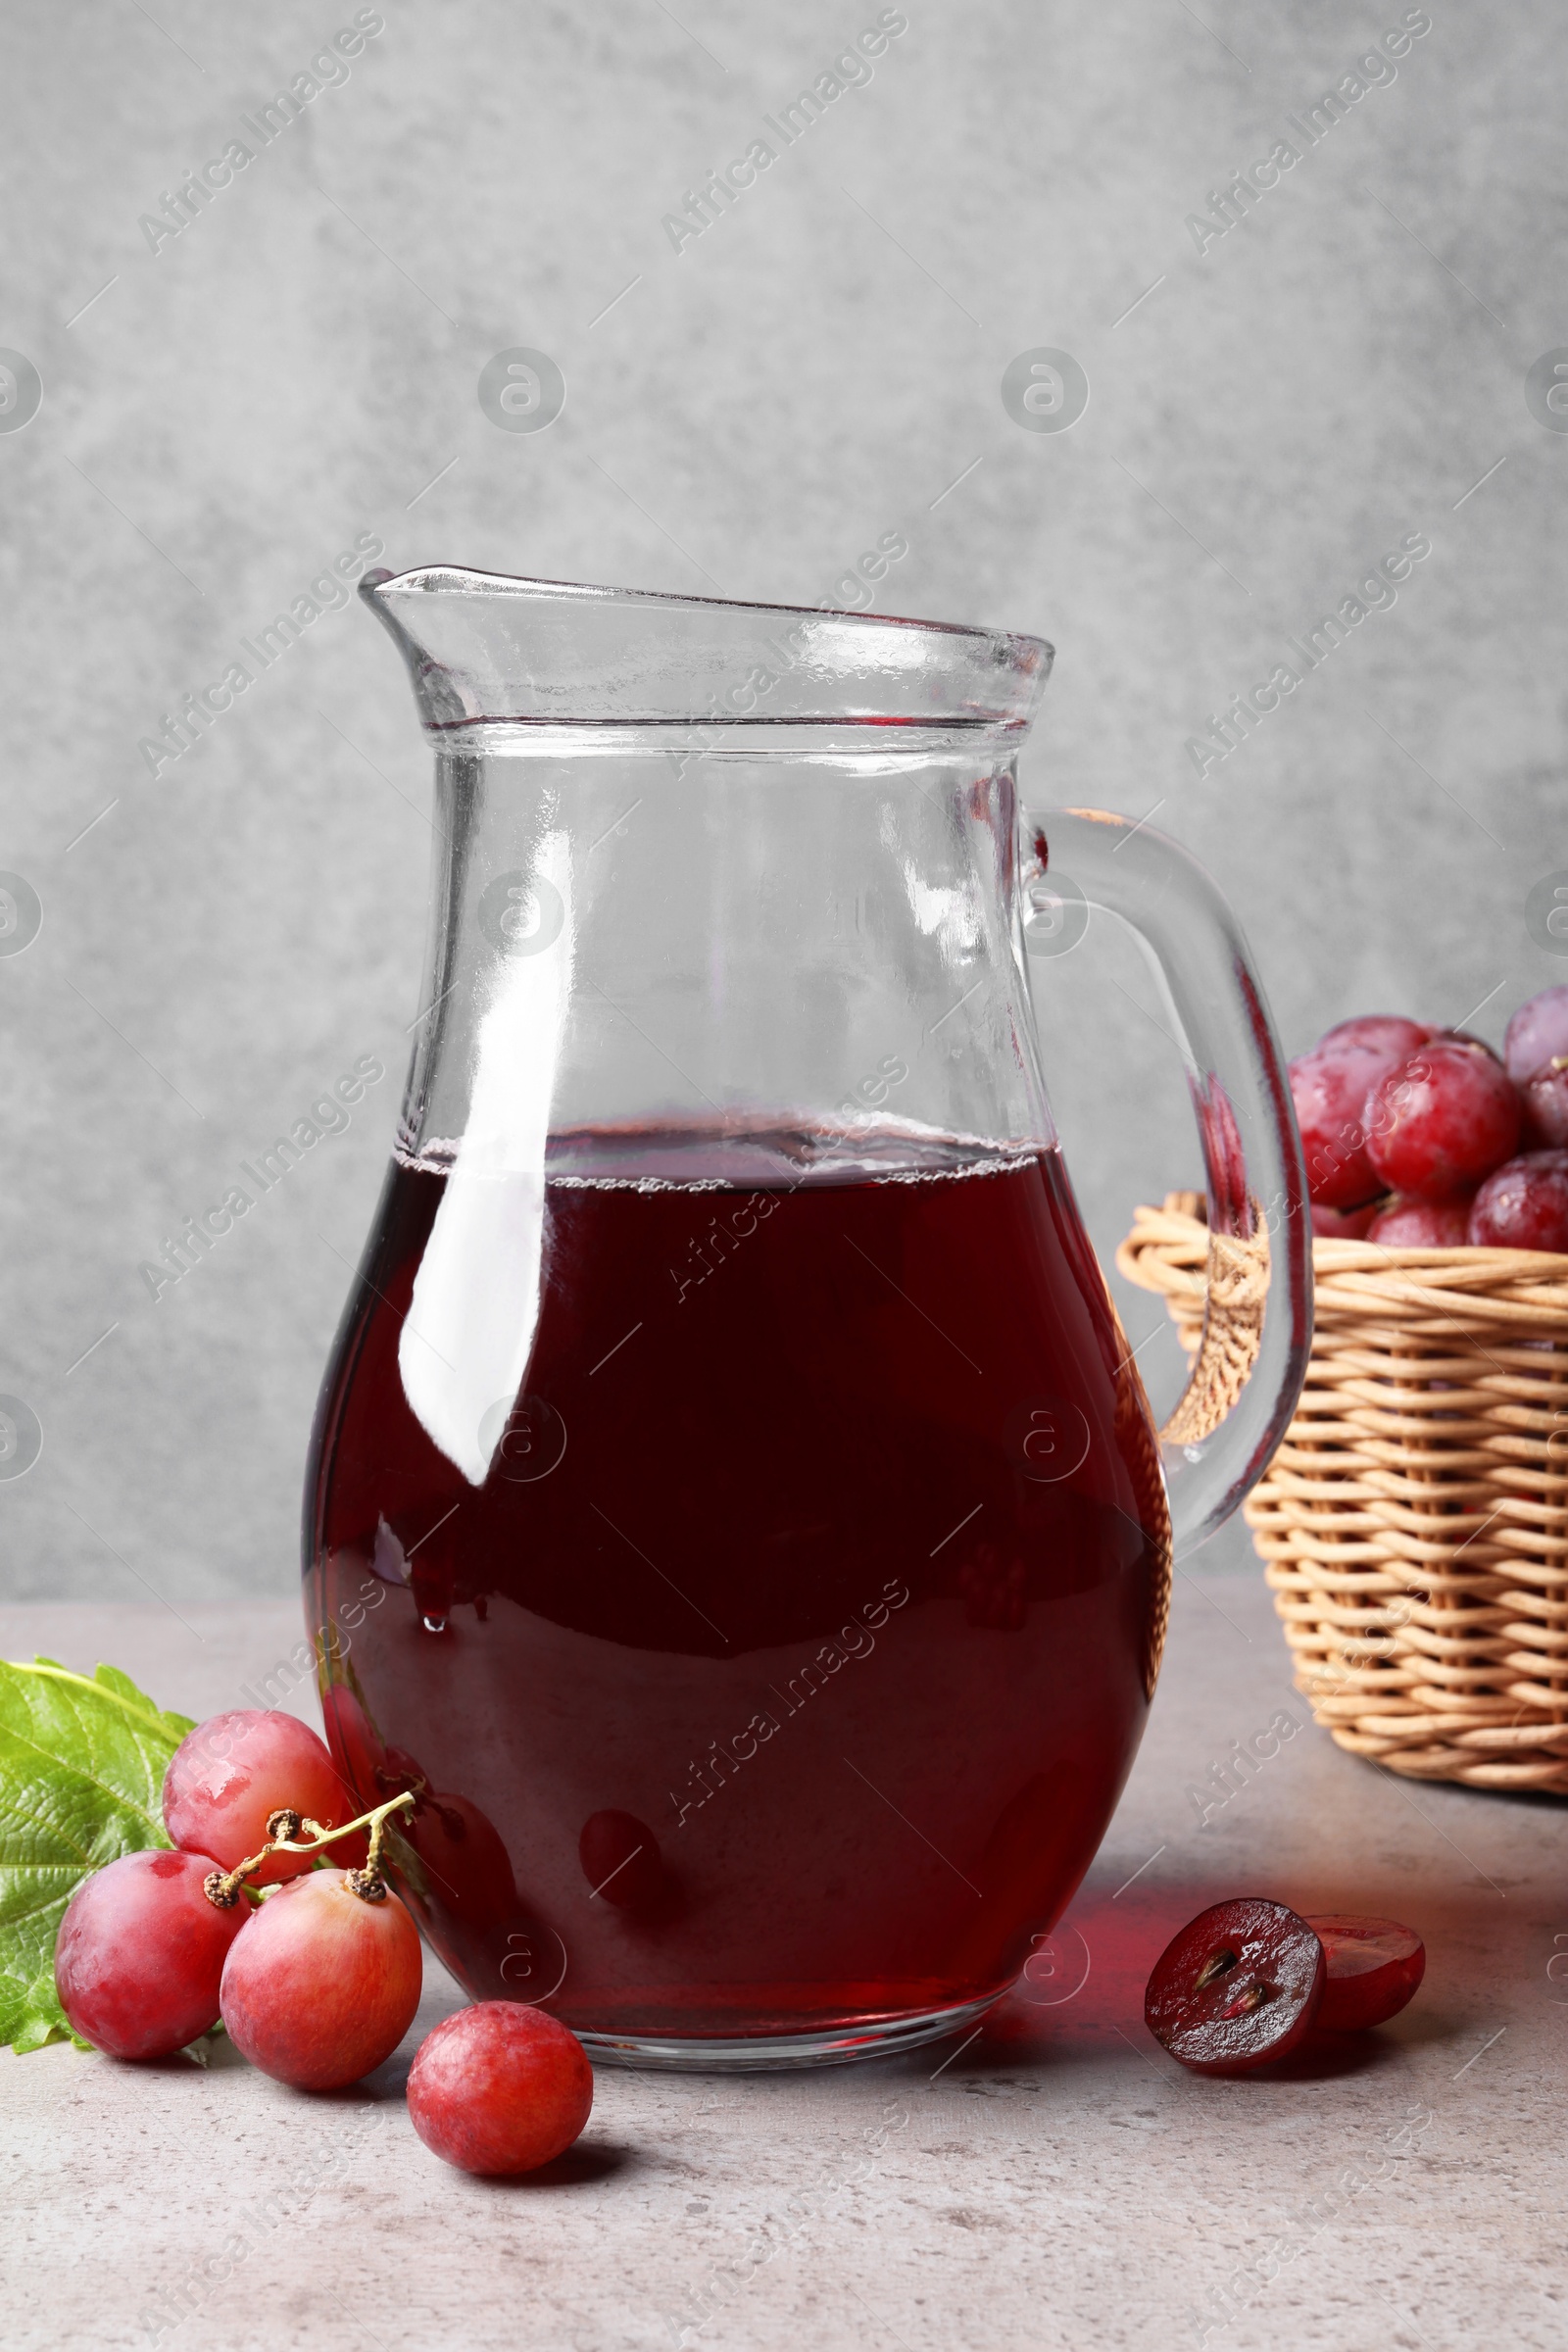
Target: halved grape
1374	1967
1240	1986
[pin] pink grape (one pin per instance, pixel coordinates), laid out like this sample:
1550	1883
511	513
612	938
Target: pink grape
1387	1033
324	1984
1537	1033
1546	1101
1441	1121
228	1774
1328	1092
500	2088
1422	1224
1344	1224
1536	1052
1523	1205
1329	1088
140	1953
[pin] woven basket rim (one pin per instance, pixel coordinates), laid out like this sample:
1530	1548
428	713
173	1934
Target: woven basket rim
1361	1274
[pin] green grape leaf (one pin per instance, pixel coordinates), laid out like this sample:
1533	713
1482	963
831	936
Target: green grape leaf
81	1775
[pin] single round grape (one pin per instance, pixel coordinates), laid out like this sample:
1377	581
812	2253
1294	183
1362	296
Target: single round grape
1387	1033
1443	1120
228	1774
324	1984
1329	1088
1240	1986
1374	1967
140	1953
1344	1224
1545	1101
1421	1224
1523	1205
500	2088
1537	1033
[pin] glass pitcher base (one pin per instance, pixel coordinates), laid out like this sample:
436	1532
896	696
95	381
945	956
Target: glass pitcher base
756	2053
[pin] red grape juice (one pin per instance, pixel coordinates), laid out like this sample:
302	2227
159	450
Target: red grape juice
777	1669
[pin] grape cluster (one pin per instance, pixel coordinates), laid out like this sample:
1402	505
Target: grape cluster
313	1968
1412	1135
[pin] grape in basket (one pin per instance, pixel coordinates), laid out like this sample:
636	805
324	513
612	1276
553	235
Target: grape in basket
1523	1205
1441	1120
1536	1052
1329	1087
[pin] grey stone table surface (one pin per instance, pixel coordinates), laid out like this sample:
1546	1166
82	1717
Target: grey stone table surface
1054	2182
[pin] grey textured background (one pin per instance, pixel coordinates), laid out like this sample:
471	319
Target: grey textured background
220	419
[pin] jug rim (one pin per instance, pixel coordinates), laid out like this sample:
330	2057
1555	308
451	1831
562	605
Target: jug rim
486	648
432	578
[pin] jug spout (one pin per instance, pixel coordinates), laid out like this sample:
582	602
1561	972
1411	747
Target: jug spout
483	648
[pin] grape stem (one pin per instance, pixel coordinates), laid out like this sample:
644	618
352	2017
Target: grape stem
223	1887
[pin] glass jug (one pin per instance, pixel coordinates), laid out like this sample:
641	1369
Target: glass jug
734	1514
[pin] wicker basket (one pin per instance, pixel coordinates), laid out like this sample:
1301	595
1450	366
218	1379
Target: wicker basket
1413	1524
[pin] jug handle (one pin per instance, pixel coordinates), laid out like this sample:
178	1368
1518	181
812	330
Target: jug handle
1257	1320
